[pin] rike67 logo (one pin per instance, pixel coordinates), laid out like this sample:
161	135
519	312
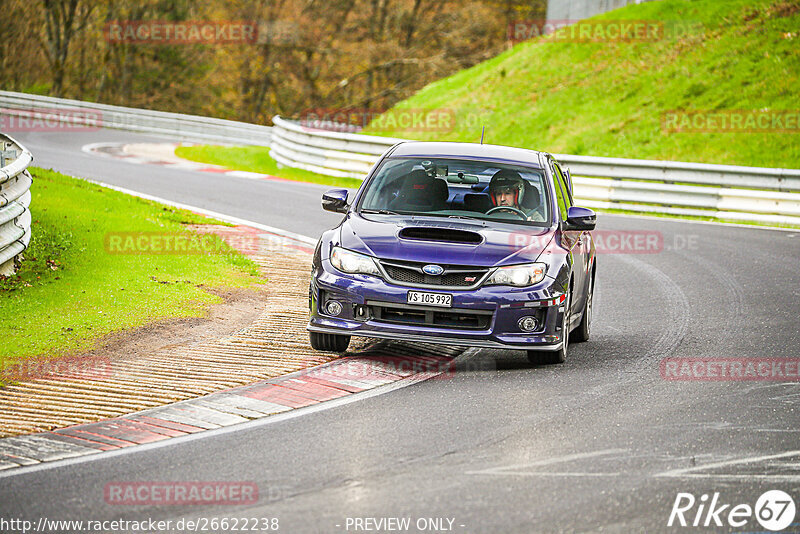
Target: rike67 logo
774	510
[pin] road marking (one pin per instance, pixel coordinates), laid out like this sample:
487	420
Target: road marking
518	469
246	174
148	154
696	471
215	214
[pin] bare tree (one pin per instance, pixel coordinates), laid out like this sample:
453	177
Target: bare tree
63	19
310	54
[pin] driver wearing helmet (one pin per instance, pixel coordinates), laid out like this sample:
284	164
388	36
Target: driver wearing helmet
507	189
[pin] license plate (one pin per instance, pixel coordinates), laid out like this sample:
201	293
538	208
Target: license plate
430	299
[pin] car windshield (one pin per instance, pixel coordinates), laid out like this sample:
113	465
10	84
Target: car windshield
442	187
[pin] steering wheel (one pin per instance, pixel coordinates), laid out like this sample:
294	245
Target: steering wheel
516	211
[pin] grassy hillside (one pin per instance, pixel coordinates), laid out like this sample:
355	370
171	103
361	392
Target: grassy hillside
608	98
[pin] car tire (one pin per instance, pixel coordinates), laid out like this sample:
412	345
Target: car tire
550	357
581	333
329	342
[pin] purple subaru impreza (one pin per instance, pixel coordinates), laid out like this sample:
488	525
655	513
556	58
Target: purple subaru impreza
460	244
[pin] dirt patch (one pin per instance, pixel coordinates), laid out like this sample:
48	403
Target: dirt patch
253	335
784	9
239	308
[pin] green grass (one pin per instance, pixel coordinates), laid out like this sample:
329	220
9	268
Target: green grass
607	99
257	159
70	291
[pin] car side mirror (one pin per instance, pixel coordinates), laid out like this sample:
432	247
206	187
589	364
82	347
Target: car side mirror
335	200
580	220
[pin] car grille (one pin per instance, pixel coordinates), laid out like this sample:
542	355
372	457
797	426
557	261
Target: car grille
453	276
422	316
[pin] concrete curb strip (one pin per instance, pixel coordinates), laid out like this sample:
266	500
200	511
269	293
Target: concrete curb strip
385	364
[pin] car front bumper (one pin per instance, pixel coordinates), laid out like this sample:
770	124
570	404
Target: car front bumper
374	307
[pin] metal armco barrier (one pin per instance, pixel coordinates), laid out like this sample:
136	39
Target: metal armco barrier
677	188
583	9
330	153
15	201
731	192
32	112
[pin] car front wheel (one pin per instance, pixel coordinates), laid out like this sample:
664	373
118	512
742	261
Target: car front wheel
549	357
581	333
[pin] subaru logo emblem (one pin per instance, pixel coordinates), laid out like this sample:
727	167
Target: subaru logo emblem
433	270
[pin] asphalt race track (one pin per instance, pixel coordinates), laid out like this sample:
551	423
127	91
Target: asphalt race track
601	443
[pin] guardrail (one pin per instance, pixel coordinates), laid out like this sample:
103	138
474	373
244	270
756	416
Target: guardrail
15	199
34	111
676	188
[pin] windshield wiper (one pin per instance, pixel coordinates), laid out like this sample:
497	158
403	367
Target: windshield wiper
467	217
380	212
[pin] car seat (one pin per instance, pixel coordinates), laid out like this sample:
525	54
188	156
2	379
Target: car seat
479	202
420	192
531	200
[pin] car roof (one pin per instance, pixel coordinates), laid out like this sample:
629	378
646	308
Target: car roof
468	151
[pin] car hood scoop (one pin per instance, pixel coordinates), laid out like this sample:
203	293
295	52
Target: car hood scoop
445	235
443	241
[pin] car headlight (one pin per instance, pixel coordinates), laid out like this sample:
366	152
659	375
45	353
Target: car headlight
352	262
518	275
